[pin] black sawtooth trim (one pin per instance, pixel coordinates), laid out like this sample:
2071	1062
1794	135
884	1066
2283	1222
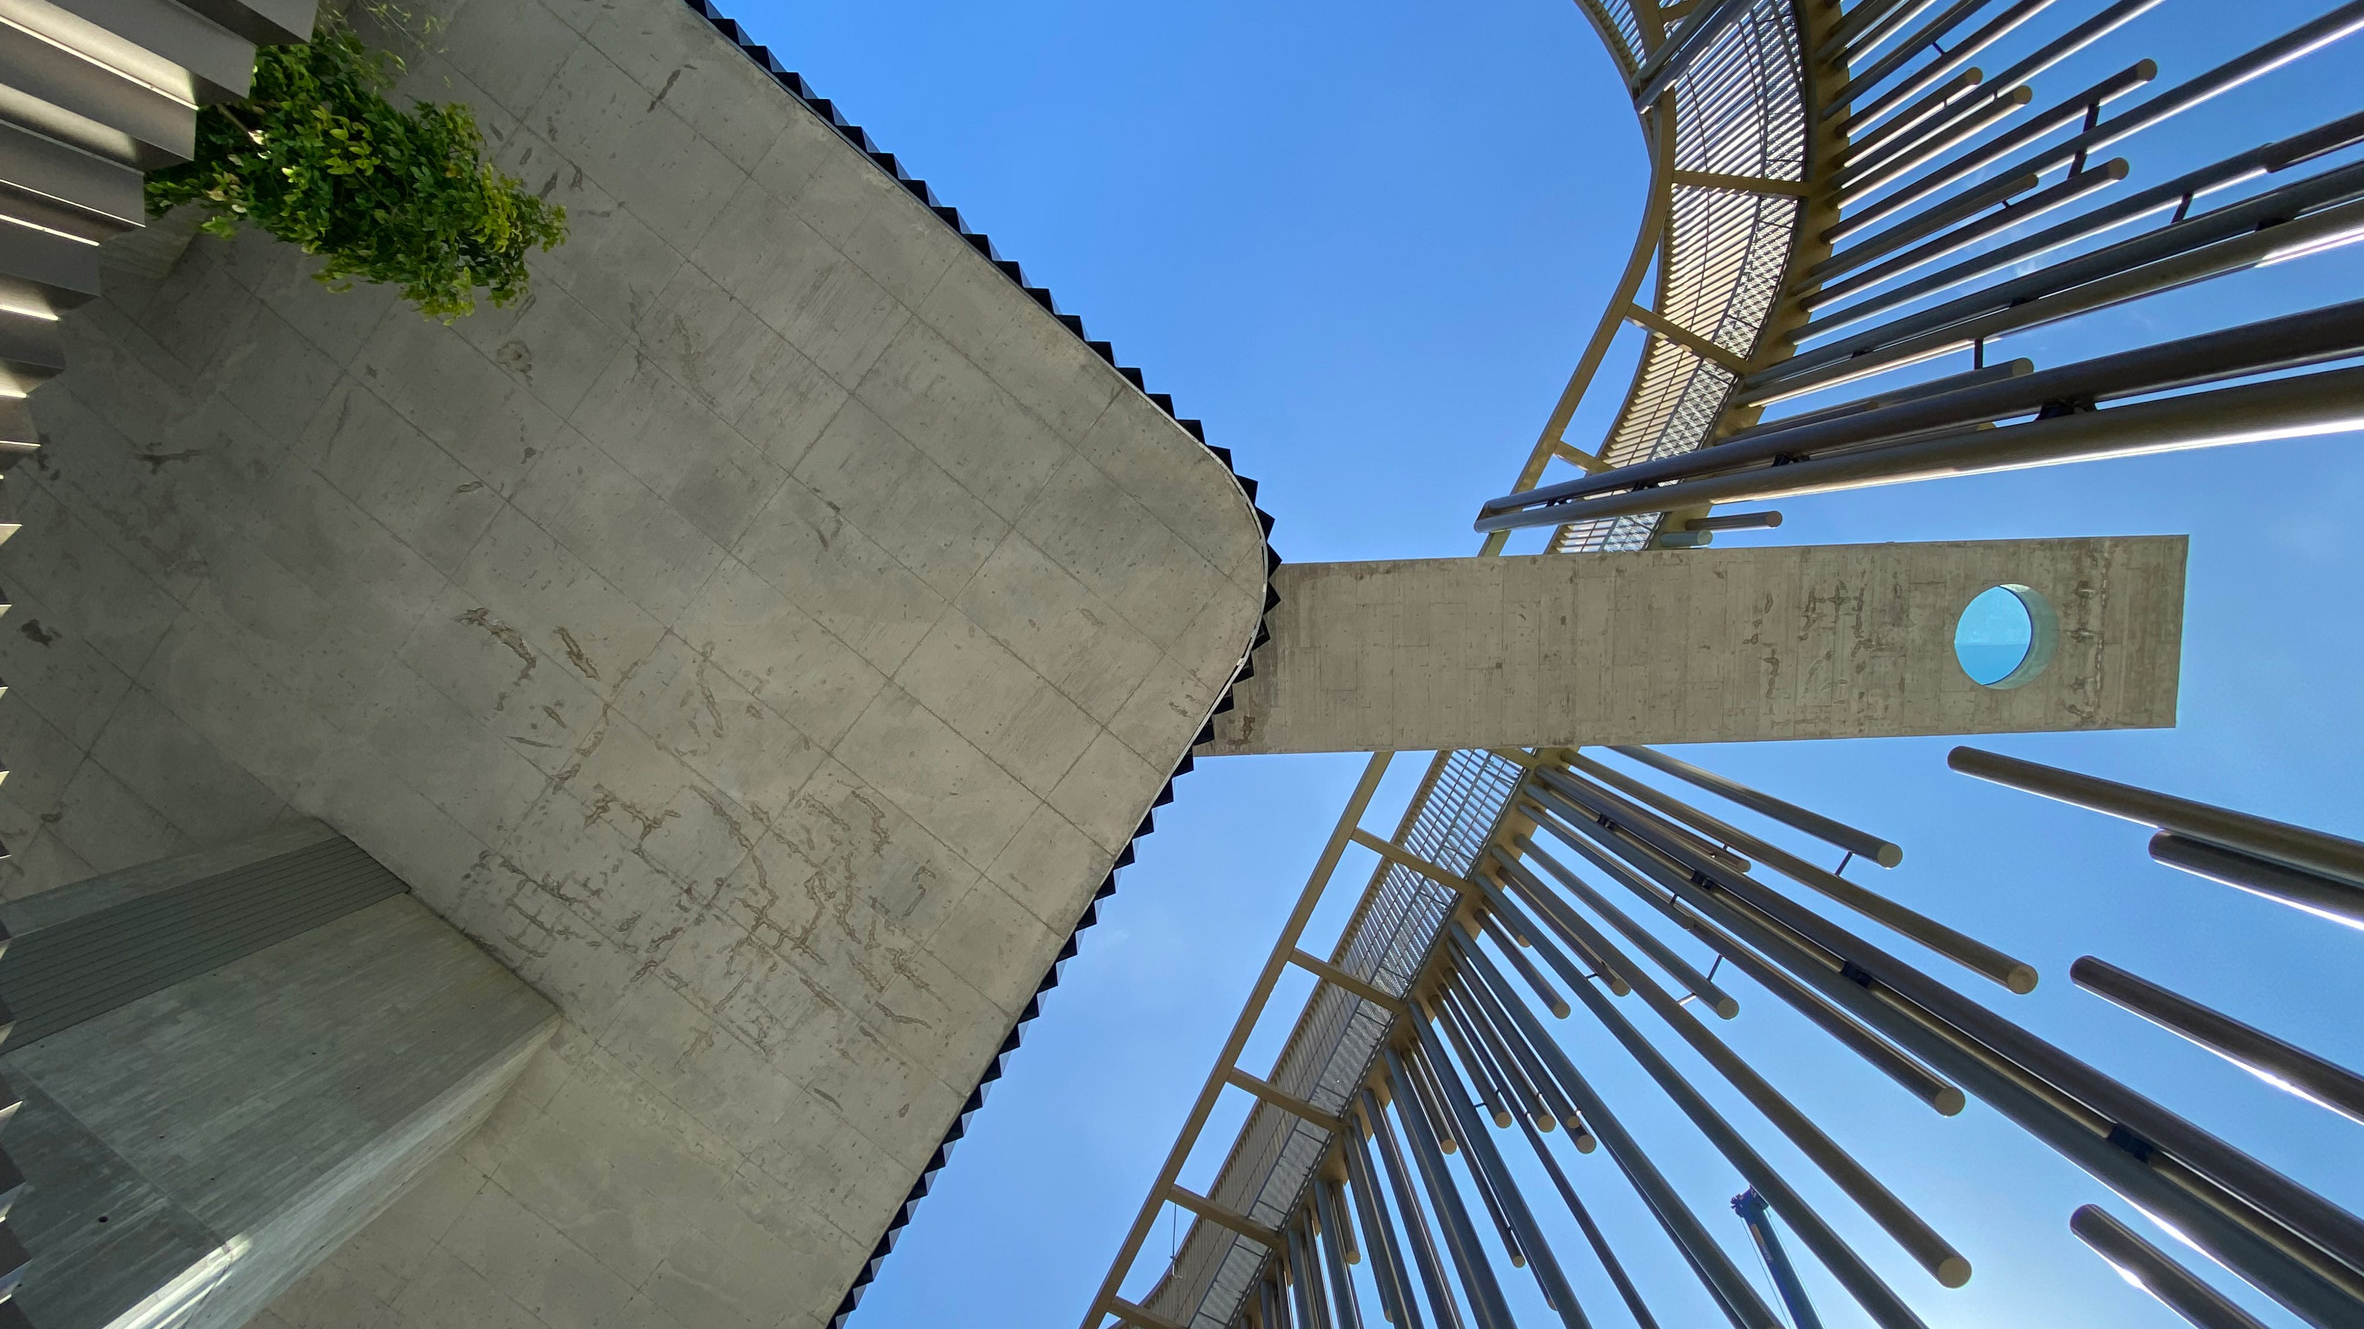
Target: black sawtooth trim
795	86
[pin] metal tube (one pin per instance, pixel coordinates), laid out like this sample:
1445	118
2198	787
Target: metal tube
2318	895
2018	212
2321	403
1303	1280
1908	48
1387	1259
1860	843
2149	1268
1557	1107
1886	1057
2292	341
1699	843
1492	1092
2281	1064
1913	139
1580	934
1502	904
1427	1096
1274	1316
1518	1093
1486	1161
1735	521
2271	157
2182	252
1415	1219
1961	53
1969	952
2296	846
1945	104
1610	1264
1348	1250
1461	1116
1694	982
1864	27
2215	1193
1557	1004
1928	221
1530	1099
1919	1240
1723	1280
1343	1307
1477	1276
2184	96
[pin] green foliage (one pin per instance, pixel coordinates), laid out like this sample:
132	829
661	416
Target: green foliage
319	158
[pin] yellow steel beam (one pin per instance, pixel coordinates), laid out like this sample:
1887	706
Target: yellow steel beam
1330	973
1285	1101
1746	184
1220	1216
1684	337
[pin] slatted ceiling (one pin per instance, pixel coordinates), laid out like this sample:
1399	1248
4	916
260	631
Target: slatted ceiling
162	43
56	977
40	165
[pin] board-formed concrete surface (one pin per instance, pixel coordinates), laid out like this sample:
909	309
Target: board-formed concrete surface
195	1151
762	640
1702	646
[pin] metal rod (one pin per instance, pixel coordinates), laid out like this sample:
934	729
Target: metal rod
1960	54
1684	972
1735	521
2288	342
1396	1301
1506	1036
2300	218
1860	843
1716	1272
1460	1116
1552	1000
1906	51
2328	402
1524	1097
1554	779
1915	137
1415	1219
1572	927
1486	1161
2282	1236
1928	221
1343	1307
1593	1235
1864	27
1492	1092
1946	104
2318	895
1303	1279
1908	1229
2295	846
2281	1064
1967	951
1469	1260
2171	194
2018	212
1431	1102
2149	1268
1916	1079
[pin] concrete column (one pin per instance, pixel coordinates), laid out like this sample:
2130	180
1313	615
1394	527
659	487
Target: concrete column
1702	646
198	1145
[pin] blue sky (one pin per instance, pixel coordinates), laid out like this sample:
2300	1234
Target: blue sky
1364	243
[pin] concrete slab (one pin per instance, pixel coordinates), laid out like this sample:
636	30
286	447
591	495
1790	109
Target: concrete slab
737	640
1702	646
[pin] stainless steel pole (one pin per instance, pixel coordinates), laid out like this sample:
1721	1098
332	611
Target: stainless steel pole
1415	1218
2296	846
1862	844
2281	1064
2149	1268
2318	895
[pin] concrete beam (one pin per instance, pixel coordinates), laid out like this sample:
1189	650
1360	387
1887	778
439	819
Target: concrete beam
1702	646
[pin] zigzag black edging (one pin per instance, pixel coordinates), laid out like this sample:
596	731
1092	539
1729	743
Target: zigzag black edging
796	87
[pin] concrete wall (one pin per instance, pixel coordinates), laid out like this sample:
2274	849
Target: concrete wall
197	1150
762	640
1701	646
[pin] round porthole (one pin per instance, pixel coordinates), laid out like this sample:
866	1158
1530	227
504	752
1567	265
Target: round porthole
2005	636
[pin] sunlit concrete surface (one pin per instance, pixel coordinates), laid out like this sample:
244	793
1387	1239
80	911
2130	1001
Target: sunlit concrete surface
762	640
1702	646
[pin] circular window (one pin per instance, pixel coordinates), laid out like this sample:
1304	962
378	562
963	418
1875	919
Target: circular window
2005	636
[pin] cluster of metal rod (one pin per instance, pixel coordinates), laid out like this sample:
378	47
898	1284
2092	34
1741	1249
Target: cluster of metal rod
1861	318
1541	927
